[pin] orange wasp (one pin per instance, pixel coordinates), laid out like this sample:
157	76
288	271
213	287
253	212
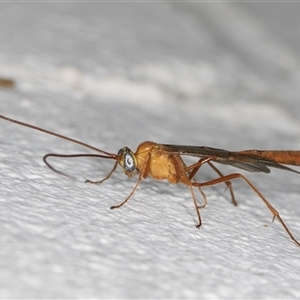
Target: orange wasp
162	161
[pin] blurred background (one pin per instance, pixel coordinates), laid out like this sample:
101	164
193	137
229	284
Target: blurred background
215	74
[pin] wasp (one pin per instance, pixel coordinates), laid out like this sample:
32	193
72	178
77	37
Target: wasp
165	162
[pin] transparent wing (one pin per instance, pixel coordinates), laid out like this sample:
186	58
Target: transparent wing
246	161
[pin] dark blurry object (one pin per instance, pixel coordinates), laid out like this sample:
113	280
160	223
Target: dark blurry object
6	83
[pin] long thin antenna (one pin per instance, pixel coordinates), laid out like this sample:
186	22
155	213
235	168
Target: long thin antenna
112	155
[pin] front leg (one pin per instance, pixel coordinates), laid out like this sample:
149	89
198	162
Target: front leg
143	173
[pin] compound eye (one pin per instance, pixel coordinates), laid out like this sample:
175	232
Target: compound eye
129	162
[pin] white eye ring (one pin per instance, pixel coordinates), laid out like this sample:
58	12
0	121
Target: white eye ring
129	163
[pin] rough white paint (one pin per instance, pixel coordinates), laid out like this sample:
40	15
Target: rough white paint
89	71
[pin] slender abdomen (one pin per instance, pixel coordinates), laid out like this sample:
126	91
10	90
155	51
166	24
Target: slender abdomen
285	157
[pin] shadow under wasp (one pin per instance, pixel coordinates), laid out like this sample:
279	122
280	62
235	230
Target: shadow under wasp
163	161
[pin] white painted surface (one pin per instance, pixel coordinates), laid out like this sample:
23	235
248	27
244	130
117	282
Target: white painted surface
117	74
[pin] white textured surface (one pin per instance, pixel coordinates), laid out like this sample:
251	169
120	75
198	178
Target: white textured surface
118	74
